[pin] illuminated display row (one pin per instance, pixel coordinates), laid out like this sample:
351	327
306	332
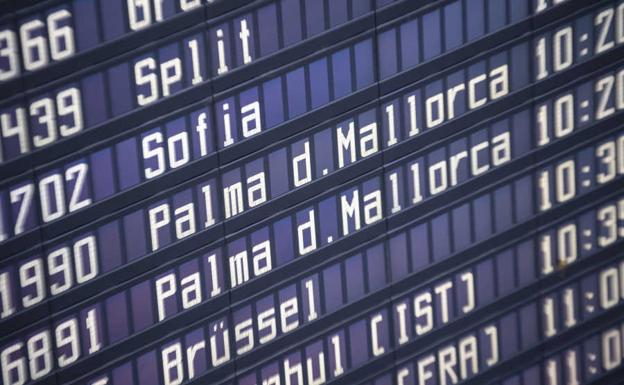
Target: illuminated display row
86	101
595	356
190	210
255	31
80	182
387	331
267	250
38	37
589	359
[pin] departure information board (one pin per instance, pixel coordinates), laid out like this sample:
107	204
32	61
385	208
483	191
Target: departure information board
307	192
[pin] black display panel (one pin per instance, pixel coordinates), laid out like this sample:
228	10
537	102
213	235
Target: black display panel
311	191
